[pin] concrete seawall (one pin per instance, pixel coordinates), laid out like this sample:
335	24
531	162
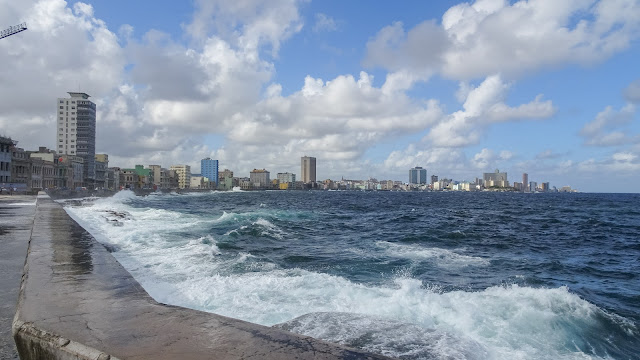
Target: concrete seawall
77	302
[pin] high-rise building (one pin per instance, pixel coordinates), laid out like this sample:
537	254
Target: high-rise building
308	169
434	179
417	175
495	179
525	181
209	169
76	131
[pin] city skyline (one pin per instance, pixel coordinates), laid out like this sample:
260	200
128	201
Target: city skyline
549	89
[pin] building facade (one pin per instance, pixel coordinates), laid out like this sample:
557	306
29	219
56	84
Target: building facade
260	179
209	169
6	144
525	181
286	177
308	169
417	176
495	179
183	173
76	131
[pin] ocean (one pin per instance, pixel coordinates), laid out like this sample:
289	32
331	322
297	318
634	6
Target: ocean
412	275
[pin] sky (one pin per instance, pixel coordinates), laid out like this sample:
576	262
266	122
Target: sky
369	88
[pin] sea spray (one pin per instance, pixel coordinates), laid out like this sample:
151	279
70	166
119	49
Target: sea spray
332	266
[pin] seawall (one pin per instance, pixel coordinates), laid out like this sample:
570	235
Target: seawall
77	302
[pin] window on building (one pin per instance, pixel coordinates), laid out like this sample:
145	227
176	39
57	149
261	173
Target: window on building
61	107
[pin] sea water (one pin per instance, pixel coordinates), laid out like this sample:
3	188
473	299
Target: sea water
411	275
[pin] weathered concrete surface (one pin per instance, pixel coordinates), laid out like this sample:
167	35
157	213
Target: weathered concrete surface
78	302
16	220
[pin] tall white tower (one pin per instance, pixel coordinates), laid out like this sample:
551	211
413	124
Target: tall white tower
76	131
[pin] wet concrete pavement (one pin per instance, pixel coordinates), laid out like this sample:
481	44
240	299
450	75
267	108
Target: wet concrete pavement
79	302
16	220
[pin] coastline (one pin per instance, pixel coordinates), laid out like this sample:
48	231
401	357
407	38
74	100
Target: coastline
77	301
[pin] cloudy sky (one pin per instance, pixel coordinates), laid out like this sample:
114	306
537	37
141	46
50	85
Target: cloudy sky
370	88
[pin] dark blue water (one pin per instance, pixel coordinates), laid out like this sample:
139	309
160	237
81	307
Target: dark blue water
412	275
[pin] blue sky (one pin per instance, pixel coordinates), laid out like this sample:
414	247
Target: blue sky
370	88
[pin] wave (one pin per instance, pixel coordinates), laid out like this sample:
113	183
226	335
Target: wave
403	317
440	257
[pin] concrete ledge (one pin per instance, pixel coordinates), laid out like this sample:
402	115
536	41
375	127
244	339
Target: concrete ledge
77	302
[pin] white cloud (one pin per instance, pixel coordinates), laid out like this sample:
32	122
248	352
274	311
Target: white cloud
324	23
494	36
483	106
246	24
604	129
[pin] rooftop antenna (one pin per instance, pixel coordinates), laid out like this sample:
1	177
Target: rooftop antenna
12	30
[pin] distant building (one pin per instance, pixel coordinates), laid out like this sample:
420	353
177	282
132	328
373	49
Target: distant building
225	180
434	179
260	179
183	173
417	175
76	131
544	187
6	144
525	181
102	166
209	169
533	186
308	169
495	179
286	177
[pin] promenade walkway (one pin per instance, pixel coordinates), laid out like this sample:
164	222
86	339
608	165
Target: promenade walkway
16	220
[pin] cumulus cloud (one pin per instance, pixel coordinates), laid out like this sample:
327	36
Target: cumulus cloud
489	36
64	49
604	130
484	105
247	24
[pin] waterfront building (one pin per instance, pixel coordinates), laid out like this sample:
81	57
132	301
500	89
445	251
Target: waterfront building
183	173
286	178
161	177
434	179
46	168
308	169
102	164
76	131
544	187
260	179
417	176
495	179
225	180
20	169
128	179
533	186
525	181
6	144
112	178
209	169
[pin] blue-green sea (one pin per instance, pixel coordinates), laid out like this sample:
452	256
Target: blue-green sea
415	275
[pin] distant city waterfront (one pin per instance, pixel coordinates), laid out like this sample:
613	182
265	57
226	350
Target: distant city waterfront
26	171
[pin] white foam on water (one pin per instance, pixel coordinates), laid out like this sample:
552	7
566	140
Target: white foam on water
402	318
440	257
